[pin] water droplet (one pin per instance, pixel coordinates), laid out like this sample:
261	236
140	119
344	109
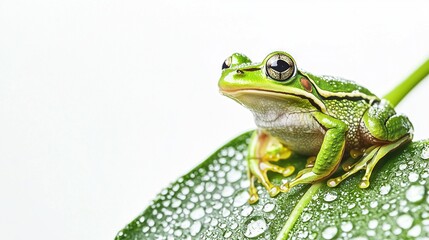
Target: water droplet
195	228
225	212
306	216
386	227
176	203
373	204
150	222
303	235
324	206
214	222
185	190
233	175
199	189
415	193
385	189
372	224
405	221
185	224
227	234
246	211
227	191
234	225
413	177
197	213
330	232
210	187
268	207
330	196
351	205
255	227
241	198
370	233
425	153
415	231
178	233
403	166
346	226
397	231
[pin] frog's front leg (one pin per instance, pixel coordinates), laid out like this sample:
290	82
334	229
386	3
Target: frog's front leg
329	156
264	149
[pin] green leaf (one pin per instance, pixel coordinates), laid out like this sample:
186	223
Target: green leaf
210	202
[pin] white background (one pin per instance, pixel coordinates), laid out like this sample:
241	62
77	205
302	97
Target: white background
104	103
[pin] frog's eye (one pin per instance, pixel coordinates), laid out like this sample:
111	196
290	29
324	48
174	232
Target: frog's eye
227	63
280	67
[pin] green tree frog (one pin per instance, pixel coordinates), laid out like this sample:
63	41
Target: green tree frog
325	117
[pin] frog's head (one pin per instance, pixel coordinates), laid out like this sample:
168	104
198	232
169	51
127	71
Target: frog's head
276	82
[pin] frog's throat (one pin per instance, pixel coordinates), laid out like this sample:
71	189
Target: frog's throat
235	94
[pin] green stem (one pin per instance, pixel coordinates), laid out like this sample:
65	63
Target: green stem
400	91
296	213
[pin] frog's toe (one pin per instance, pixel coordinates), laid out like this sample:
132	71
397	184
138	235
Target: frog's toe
285	171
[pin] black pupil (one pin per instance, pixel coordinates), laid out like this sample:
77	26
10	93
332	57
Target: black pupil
280	65
224	65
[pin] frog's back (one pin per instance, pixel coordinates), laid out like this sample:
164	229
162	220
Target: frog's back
338	85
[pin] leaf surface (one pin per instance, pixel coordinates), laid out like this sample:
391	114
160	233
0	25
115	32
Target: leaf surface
210	202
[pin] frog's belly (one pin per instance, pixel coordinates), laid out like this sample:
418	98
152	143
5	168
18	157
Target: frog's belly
300	132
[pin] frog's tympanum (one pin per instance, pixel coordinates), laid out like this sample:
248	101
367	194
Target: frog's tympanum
328	118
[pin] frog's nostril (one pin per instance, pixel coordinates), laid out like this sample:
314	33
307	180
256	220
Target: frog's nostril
240	71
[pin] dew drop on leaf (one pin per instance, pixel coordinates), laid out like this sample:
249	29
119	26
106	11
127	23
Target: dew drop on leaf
351	205
195	228
330	232
425	153
255	227
346	226
415	193
385	189
233	176
330	196
306	216
241	198
415	231
372	224
373	204
246	211
210	187
227	191
197	213
413	177
150	222
405	221
225	212
185	224
268	207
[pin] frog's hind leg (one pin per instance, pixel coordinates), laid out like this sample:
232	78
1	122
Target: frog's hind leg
391	130
264	149
368	162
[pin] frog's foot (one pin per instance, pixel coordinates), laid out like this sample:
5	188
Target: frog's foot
368	162
258	169
304	176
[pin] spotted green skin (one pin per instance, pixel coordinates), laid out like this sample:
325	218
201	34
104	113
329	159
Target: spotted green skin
328	117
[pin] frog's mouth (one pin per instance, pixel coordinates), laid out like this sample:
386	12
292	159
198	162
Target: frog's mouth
270	104
268	99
